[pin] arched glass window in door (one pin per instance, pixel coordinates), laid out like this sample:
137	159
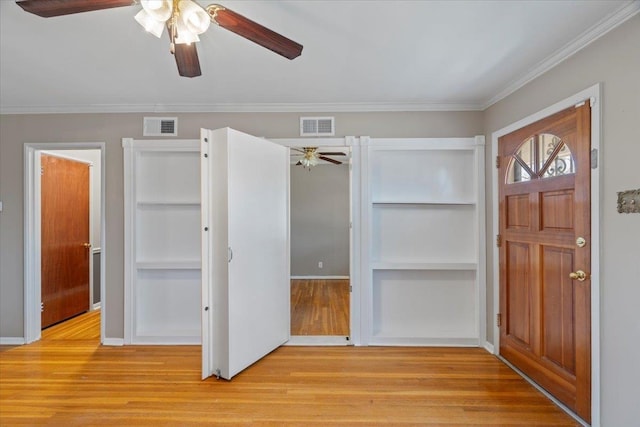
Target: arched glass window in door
539	157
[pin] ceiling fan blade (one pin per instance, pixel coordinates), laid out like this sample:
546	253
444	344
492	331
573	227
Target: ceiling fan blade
253	31
327	159
187	60
337	153
49	8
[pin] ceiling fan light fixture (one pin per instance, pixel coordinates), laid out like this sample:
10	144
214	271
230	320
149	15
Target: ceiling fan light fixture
149	24
310	157
160	10
195	18
183	35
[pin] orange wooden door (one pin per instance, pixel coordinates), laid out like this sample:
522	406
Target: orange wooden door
65	239
544	195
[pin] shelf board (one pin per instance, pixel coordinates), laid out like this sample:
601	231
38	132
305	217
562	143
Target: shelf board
424	265
423	202
168	265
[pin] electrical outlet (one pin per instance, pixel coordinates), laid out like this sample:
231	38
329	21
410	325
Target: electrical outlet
319	264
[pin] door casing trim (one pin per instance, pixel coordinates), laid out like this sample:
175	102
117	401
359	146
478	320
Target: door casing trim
32	250
594	95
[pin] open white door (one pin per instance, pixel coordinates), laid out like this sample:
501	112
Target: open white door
245	250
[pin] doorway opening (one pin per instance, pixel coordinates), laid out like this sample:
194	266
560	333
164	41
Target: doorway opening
50	167
321	242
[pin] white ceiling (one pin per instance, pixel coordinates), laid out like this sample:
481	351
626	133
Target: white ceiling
358	56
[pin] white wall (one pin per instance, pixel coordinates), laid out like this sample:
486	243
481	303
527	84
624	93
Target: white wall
613	60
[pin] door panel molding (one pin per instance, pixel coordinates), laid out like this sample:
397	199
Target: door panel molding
594	95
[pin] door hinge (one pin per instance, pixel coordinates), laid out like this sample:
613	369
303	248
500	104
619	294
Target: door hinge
498	240
41	307
497	162
350	288
498	320
594	158
41	171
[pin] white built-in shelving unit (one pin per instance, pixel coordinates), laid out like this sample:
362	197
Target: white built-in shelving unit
423	269
162	242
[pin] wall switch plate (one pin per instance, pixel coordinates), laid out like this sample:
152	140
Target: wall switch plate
0	206
320	264
629	201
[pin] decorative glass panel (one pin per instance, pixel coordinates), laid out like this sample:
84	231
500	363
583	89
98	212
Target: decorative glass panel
555	156
517	173
527	152
541	156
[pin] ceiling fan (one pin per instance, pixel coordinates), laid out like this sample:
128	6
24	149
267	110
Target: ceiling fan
184	19
311	156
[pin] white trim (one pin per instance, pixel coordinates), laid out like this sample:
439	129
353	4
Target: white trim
354	239
315	142
481	243
489	347
96	306
115	342
32	296
320	277
344	107
594	93
545	392
318	340
174	340
423	342
12	341
601	28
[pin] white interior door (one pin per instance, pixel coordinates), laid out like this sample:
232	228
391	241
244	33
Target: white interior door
245	222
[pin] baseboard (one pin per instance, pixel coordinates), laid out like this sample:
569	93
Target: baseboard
114	342
318	340
489	347
320	277
12	341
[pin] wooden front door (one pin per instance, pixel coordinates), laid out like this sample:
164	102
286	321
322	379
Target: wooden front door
64	239
545	246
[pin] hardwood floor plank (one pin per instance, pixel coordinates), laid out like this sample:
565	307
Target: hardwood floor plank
67	382
320	307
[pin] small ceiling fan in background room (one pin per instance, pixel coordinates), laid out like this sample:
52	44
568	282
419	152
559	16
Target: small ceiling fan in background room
184	19
310	156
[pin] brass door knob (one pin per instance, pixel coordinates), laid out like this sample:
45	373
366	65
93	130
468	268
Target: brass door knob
87	245
580	275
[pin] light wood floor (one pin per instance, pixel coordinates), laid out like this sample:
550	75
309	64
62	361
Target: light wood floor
65	380
320	307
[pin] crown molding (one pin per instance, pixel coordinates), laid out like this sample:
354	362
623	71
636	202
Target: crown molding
238	108
583	40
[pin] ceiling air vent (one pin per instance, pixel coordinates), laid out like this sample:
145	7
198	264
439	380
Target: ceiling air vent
160	126
317	126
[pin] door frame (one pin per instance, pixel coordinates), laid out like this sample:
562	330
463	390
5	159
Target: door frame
592	94
355	303
32	249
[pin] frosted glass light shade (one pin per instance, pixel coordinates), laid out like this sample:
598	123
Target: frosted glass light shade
184	36
160	10
194	17
149	24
